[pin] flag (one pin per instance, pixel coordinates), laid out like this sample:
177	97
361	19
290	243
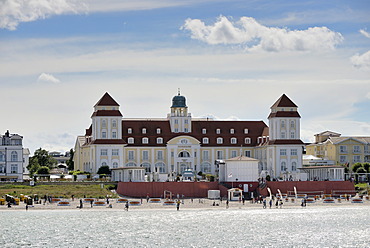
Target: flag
230	175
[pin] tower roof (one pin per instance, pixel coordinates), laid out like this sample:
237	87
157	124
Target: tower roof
179	101
284	101
106	100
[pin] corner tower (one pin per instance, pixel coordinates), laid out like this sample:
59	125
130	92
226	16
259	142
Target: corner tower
106	119
180	119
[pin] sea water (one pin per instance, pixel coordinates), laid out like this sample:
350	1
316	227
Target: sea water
301	227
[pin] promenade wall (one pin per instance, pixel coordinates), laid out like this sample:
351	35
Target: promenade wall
308	186
188	189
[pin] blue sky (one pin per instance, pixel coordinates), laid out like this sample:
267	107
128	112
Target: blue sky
231	58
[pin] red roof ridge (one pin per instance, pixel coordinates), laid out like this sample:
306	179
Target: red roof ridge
106	100
284	101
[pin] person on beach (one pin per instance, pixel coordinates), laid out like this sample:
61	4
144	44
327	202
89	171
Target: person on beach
270	202
91	203
227	203
178	205
126	206
81	204
281	203
264	203
26	207
277	203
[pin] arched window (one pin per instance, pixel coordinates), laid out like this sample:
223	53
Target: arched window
160	167
103	123
130	140
146	166
205	140
145	140
184	154
219	140
114	123
294	166
233	140
115	165
247	140
104	164
2	157
131	164
205	167
14	156
283	166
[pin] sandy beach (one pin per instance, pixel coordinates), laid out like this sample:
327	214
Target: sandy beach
186	204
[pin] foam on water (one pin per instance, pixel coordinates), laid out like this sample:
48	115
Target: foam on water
309	227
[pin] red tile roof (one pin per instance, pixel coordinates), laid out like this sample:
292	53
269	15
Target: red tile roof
107	113
255	130
106	100
108	142
285	114
284	101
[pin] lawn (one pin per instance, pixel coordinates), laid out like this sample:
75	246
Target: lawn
64	191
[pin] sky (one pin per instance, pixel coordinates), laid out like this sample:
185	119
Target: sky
231	59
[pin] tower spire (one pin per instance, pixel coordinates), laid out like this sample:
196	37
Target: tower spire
178	91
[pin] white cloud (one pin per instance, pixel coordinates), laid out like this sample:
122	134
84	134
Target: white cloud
44	77
13	12
361	60
255	36
364	33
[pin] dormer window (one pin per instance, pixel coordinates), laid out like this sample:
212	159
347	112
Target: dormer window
130	140
246	130
218	131
159	140
233	140
247	140
145	140
205	140
143	130
158	130
129	130
220	140
204	131
232	130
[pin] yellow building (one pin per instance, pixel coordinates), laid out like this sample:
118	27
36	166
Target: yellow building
163	148
343	150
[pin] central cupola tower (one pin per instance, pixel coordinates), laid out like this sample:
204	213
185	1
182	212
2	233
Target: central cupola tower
180	119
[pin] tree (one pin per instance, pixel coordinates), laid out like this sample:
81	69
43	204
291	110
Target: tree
43	170
356	166
104	170
40	158
70	162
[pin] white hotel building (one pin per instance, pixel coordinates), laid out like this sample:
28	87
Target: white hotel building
13	157
165	148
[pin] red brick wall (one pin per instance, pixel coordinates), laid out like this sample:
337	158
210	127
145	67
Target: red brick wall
156	189
305	186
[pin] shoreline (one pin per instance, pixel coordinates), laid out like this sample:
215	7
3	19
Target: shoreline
196	204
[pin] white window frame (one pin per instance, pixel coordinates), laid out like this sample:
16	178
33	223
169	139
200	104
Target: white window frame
159	140
218	131
143	130
204	131
232	131
129	130
158	130
104	152
219	140
246	131
131	155
205	140
115	152
247	140
233	140
283	152
130	140
294	152
145	140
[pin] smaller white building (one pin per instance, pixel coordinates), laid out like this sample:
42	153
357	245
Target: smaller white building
128	174
13	158
322	173
241	168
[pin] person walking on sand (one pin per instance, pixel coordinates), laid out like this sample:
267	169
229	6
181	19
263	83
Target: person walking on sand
126	206
178	204
270	202
264	203
26	207
227	203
